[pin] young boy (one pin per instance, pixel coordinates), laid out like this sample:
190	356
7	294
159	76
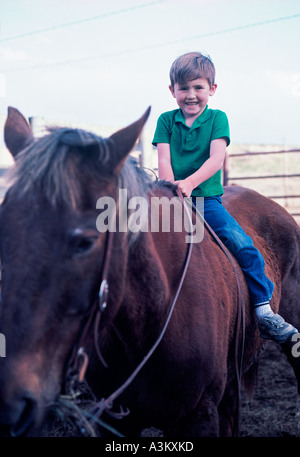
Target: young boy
191	143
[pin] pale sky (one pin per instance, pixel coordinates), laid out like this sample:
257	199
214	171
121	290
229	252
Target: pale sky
104	62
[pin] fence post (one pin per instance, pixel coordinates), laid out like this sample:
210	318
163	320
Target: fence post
225	170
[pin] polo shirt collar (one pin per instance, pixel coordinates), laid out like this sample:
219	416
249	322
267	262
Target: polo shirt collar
200	120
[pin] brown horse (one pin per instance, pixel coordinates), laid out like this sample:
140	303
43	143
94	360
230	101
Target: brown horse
55	255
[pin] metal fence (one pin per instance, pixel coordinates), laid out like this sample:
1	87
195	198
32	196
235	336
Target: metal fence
231	177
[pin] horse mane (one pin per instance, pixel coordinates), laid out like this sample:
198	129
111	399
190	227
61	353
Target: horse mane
58	163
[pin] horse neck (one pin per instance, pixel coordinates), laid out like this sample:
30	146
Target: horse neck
148	267
152	275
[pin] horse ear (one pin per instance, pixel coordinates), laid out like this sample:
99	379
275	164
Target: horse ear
17	132
125	139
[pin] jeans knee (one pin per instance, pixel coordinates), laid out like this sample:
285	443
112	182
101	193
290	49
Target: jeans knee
235	240
242	248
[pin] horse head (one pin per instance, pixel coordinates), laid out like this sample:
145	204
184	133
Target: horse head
52	258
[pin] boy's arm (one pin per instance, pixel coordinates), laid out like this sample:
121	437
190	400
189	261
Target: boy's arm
165	170
208	169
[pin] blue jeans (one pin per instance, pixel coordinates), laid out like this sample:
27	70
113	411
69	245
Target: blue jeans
240	245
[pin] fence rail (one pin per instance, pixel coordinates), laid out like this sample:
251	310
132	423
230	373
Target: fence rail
259	153
266	177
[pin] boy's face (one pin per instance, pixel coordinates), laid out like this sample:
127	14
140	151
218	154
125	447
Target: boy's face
192	97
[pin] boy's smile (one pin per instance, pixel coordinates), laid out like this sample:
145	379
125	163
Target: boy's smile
192	97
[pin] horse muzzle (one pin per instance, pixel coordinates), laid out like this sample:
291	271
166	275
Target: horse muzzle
24	405
18	416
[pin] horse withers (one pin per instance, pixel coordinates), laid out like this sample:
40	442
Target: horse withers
55	259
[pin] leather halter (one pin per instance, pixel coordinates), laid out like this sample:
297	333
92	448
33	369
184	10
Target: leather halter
78	362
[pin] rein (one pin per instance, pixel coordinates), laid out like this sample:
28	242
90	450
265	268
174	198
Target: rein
79	359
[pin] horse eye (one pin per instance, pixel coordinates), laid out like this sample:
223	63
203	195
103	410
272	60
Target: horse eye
83	246
83	242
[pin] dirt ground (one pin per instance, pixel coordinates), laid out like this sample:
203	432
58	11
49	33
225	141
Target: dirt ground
274	410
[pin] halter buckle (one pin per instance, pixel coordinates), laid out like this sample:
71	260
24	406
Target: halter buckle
103	295
85	360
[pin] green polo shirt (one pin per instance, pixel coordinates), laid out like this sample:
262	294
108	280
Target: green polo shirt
190	146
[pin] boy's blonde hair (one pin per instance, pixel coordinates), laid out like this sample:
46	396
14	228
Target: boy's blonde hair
190	66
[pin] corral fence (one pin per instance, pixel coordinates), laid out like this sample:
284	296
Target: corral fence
275	174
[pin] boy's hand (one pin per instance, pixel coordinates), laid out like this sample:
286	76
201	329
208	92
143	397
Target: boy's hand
185	187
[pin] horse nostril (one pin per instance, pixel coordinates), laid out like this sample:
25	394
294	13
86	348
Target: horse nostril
26	417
